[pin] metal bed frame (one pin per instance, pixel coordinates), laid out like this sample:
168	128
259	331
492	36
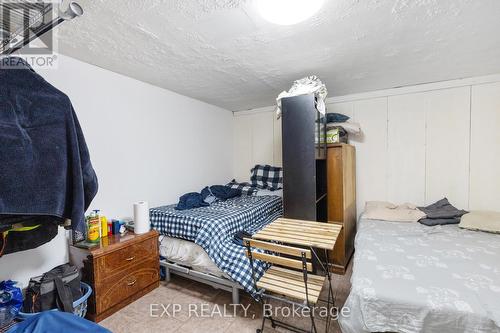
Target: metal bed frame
211	280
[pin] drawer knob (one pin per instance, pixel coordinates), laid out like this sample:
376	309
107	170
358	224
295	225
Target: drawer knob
131	283
130	259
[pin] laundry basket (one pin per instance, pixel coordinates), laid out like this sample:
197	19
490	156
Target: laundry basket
79	306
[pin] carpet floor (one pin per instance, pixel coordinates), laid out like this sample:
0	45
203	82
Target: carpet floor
190	307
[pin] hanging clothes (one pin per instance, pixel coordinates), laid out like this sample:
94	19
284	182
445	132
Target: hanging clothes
45	168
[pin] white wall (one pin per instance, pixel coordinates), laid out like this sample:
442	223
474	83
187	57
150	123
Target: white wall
254	142
146	143
419	143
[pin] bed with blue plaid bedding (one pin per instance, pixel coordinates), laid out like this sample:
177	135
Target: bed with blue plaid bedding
214	227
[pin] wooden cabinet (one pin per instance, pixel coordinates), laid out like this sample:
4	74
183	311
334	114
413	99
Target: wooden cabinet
120	270
341	166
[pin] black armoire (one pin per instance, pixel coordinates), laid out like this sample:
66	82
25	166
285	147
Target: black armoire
304	159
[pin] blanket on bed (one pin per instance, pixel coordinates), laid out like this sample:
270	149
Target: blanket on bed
214	227
417	279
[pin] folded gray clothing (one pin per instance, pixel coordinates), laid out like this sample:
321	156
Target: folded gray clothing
441	213
442	209
434	222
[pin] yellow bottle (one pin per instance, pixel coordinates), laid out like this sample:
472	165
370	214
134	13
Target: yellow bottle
104	226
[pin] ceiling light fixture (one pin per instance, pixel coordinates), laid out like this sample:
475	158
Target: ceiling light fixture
288	12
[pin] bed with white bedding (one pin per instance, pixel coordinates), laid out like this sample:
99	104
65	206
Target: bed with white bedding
412	278
188	254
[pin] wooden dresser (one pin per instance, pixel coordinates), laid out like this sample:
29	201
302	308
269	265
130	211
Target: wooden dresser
120	270
341	166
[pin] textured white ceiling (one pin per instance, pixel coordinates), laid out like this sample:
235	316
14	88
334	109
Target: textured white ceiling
222	52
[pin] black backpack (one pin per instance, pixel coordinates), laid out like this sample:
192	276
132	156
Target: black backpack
56	289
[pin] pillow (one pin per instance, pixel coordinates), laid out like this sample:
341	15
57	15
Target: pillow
351	128
386	211
267	177
481	221
261	193
336	118
379	204
245	188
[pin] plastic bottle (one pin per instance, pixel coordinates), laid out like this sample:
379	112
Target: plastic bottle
104	226
93	227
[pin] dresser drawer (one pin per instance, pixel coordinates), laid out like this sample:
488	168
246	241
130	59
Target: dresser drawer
121	260
118	288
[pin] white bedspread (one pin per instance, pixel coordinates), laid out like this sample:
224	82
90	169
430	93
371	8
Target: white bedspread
411	278
188	254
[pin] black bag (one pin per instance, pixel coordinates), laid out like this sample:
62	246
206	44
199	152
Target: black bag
21	233
56	289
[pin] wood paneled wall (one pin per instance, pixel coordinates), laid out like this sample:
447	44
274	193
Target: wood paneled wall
415	147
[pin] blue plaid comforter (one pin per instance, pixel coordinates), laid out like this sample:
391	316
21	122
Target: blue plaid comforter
214	227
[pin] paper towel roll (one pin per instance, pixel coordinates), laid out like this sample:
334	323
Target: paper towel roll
141	217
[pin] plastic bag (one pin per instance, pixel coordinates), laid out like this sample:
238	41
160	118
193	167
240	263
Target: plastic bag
10	295
11	301
308	85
